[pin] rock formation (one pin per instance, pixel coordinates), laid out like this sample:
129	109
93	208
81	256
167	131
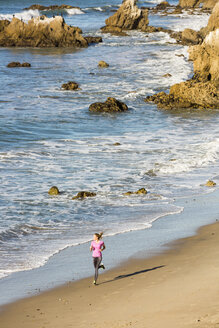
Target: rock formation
210	183
84	194
127	17
53	7
205	4
110	105
54	191
141	191
202	91
70	86
40	32
103	64
18	64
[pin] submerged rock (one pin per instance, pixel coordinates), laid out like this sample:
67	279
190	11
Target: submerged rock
103	64
127	17
210	183
18	64
141	191
53	191
110	105
40	32
70	86
84	194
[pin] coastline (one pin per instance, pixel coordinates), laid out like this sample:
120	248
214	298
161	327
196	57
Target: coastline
179	286
162	239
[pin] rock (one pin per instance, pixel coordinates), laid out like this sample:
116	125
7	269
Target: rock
141	191
18	64
93	39
202	91
162	5
114	30
54	191
110	105
40	32
84	194
205	57
151	173
103	64
210	183
128	17
53	7
167	75
189	94
70	86
117	144
205	4
190	36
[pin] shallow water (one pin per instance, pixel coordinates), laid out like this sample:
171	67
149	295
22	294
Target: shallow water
48	137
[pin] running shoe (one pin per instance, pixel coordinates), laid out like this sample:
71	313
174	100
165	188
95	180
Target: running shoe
94	282
102	266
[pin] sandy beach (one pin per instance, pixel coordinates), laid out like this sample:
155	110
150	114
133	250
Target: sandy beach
178	288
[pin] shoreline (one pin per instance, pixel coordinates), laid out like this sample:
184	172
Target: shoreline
161	237
138	288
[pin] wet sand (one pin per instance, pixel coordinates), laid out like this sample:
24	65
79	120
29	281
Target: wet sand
179	288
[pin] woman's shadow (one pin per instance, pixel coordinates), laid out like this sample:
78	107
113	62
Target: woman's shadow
132	274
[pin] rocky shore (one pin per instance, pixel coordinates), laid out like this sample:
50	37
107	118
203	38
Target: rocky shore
202	90
40	32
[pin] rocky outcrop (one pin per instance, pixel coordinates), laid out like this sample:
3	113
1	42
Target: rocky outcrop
18	64
70	86
189	94
127	17
206	4
84	194
53	7
40	32
53	191
103	64
202	91
141	191
111	105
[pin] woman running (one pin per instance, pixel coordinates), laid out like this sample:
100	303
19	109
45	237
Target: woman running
97	246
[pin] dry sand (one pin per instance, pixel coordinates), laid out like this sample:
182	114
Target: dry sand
179	288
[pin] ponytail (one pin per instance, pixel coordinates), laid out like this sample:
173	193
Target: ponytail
99	235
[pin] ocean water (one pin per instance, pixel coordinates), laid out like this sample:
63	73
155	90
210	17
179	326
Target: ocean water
48	137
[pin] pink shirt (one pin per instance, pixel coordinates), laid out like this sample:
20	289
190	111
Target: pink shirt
96	247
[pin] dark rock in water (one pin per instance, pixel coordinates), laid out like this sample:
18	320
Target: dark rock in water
93	39
70	86
84	194
141	191
103	64
127	17
110	105
53	7
18	64
40	32
210	183
167	75
117	144
53	191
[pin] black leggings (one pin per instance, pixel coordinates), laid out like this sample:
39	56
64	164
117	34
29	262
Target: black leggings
97	261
